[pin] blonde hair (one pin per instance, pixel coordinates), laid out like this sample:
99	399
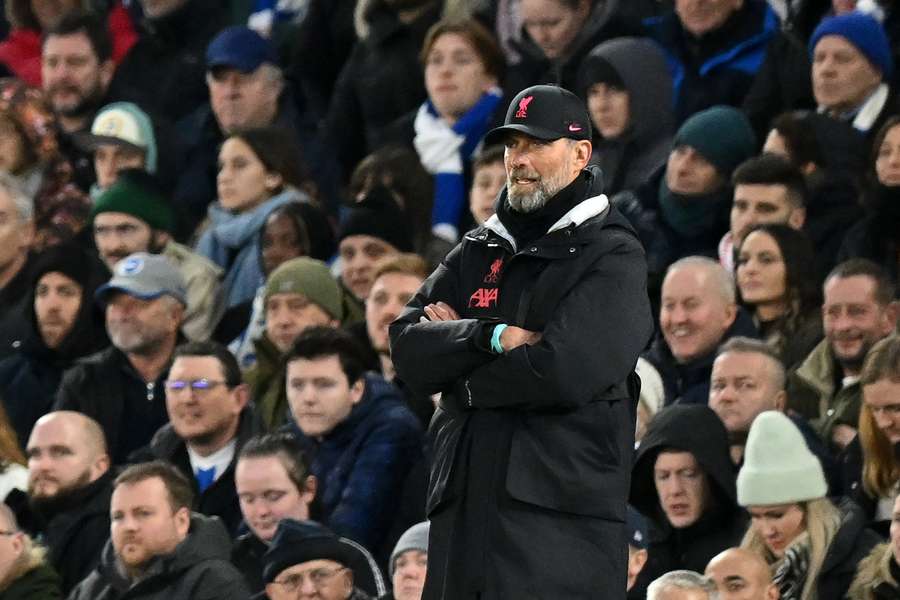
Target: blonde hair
822	520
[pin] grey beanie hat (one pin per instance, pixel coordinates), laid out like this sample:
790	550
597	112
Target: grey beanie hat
414	538
778	466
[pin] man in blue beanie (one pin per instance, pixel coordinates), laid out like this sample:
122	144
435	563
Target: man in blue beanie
851	65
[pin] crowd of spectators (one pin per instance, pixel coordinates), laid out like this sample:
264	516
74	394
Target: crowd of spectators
210	213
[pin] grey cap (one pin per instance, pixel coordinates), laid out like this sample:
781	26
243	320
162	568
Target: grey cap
414	538
145	276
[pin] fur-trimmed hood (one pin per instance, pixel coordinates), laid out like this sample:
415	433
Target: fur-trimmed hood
873	571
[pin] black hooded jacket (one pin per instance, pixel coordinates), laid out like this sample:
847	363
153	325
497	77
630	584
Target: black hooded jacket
30	377
695	429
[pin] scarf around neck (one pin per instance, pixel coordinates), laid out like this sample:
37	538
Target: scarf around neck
691	216
444	151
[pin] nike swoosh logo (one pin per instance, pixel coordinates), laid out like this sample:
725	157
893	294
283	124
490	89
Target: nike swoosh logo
574	128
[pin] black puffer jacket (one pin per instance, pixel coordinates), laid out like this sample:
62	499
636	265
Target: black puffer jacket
198	569
851	544
695	429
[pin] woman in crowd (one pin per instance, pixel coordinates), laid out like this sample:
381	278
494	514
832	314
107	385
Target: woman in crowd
877	235
778	287
13	474
878	575
870	469
628	90
811	545
259	171
29	151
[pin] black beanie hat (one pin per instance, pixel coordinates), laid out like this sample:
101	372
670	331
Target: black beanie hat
68	259
297	542
379	216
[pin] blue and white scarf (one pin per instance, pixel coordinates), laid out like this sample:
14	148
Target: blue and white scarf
444	150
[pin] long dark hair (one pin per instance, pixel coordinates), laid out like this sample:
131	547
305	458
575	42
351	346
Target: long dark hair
278	153
802	294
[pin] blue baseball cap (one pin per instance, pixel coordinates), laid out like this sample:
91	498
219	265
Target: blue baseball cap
240	48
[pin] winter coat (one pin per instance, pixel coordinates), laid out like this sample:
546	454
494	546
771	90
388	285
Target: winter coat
220	498
876	235
73	528
167	66
362	463
850	545
688	383
267	384
380	82
533	68
202	281
698	430
30	376
39	583
198	569
877	576
640	151
107	388
814	391
232	242
719	67
541	440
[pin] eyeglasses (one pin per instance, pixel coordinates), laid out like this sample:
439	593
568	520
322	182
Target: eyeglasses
200	386
318	577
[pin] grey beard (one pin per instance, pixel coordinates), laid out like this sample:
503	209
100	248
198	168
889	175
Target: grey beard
528	203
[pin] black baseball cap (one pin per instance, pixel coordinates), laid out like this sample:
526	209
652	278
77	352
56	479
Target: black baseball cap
546	112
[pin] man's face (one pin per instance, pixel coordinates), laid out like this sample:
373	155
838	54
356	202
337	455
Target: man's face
207	417
777	525
109	159
699	17
610	109
117	235
681	486
138	326
883	400
842	76
320	395
389	295
15	236
694	316
409	575
741	575
57	299
853	319
313	579
742	385
455	76
267	495
60	459
487	182
536	169
242	100
289	315
756	204
159	8
690	174
552	24
359	255
143	524
73	78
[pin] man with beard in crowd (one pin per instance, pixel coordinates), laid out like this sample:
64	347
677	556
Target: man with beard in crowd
69	486
122	386
76	70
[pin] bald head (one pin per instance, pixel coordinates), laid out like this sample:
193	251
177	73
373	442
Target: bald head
741	575
66	451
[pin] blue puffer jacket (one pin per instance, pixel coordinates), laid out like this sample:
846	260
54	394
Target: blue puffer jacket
232	242
362	464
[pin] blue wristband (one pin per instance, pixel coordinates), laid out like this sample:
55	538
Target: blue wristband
495	338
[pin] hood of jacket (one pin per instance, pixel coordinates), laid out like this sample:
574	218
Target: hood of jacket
693	428
237	230
642	67
207	539
601	16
